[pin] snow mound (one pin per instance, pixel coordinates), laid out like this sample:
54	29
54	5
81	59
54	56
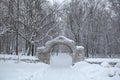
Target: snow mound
100	60
112	72
61	60
117	65
81	64
105	64
10	70
39	71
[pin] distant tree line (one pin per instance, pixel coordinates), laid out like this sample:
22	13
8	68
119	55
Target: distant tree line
28	24
95	24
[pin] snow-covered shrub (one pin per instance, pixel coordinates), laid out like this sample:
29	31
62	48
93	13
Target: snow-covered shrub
119	73
112	72
105	64
117	65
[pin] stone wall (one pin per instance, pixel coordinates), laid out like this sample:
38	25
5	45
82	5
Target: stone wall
43	53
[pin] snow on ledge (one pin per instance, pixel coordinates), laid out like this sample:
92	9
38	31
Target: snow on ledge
59	38
79	47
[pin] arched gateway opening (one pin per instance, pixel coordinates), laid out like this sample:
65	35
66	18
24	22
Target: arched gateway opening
61	48
76	52
61	55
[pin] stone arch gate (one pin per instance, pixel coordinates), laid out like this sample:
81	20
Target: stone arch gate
43	53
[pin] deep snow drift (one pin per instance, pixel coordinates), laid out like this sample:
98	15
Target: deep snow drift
61	60
11	70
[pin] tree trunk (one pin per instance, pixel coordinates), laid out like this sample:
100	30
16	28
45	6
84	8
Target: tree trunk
17	42
32	45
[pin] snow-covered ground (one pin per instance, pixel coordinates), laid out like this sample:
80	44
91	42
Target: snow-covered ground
100	60
61	60
9	57
12	70
17	58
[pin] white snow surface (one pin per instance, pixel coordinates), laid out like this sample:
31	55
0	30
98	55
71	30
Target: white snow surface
105	64
99	60
118	65
10	57
61	60
12	70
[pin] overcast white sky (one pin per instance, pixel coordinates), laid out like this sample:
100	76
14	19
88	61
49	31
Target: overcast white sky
58	1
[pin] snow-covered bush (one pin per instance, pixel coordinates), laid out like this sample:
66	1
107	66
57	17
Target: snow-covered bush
105	64
117	65
111	72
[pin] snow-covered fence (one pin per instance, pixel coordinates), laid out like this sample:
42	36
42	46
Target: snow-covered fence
43	53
